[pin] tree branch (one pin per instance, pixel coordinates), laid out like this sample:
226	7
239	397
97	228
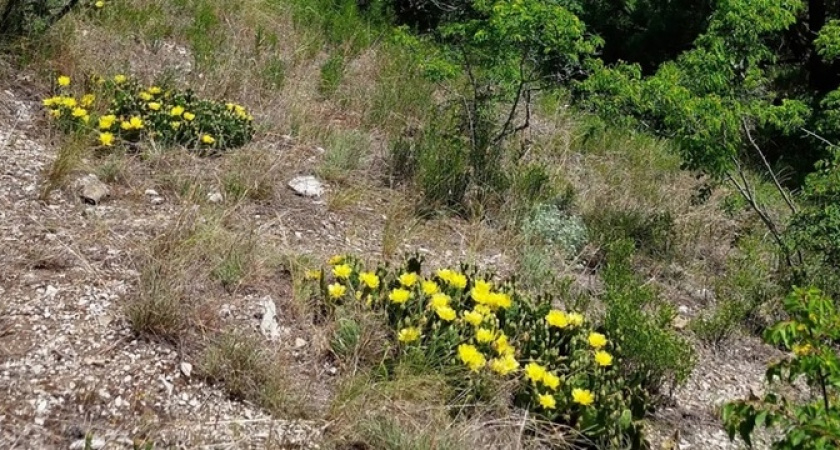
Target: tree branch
770	170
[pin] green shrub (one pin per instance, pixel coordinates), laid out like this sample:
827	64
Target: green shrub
811	419
121	111
549	224
652	233
655	356
484	333
24	17
332	72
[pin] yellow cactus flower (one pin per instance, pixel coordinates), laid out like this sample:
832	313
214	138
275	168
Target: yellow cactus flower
312	274
106	122
87	100
446	313
470	356
410	334
175	125
336	259
188	116
408	279
136	122
603	358
336	290
597	340
99	4
439	300
575	319
557	319
154	90
106	139
64	81
154	106
176	111
473	318
369	279
341	271
430	287
207	139
582	397
79	112
502	346
483	335
145	96
399	296
504	365
547	401
551	381
535	372
120	79
68	102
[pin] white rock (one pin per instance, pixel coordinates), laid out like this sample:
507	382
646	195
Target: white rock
157	200
214	197
269	326
95	444
186	369
307	186
152	193
300	343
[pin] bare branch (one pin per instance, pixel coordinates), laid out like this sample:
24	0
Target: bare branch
770	170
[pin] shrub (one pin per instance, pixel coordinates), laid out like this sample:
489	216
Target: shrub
462	320
129	113
651	233
551	225
21	17
655	357
810	333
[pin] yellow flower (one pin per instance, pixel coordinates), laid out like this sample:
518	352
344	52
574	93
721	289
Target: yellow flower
207	139
547	401
557	318
575	319
480	295
802	350
484	310
483	285
154	90
408	279
55	113
603	358
120	79
582	396
229	106
136	122
369	279
535	372
69	102
504	365
313	274
471	357
88	100
125	125
336	290
175	125
409	334
439	300
501	300
341	271
336	259
154	106
483	335
64	81
106	139
106	122
597	340
399	296
188	116
79	112
145	96
446	313
473	318
99	4
551	381
452	278
51	101
502	346
176	111
430	287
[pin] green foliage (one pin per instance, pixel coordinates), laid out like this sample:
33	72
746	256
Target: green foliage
655	357
828	41
652	233
120	111
332	72
815	230
810	334
483	333
549	224
32	17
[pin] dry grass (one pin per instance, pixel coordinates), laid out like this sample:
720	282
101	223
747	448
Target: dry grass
69	160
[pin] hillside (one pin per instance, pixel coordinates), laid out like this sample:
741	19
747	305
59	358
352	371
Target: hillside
211	211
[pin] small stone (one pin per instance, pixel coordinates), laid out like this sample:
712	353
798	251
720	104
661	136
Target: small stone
186	369
151	193
268	325
91	190
157	200
307	186
679	322
82	444
215	197
300	343
50	291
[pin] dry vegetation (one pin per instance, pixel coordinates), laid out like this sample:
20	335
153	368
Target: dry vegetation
313	118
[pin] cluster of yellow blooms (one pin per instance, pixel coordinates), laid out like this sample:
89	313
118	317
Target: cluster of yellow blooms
474	308
151	108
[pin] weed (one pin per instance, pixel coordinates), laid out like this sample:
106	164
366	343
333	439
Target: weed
158	311
69	158
345	154
332	72
273	73
652	233
232	267
239	364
